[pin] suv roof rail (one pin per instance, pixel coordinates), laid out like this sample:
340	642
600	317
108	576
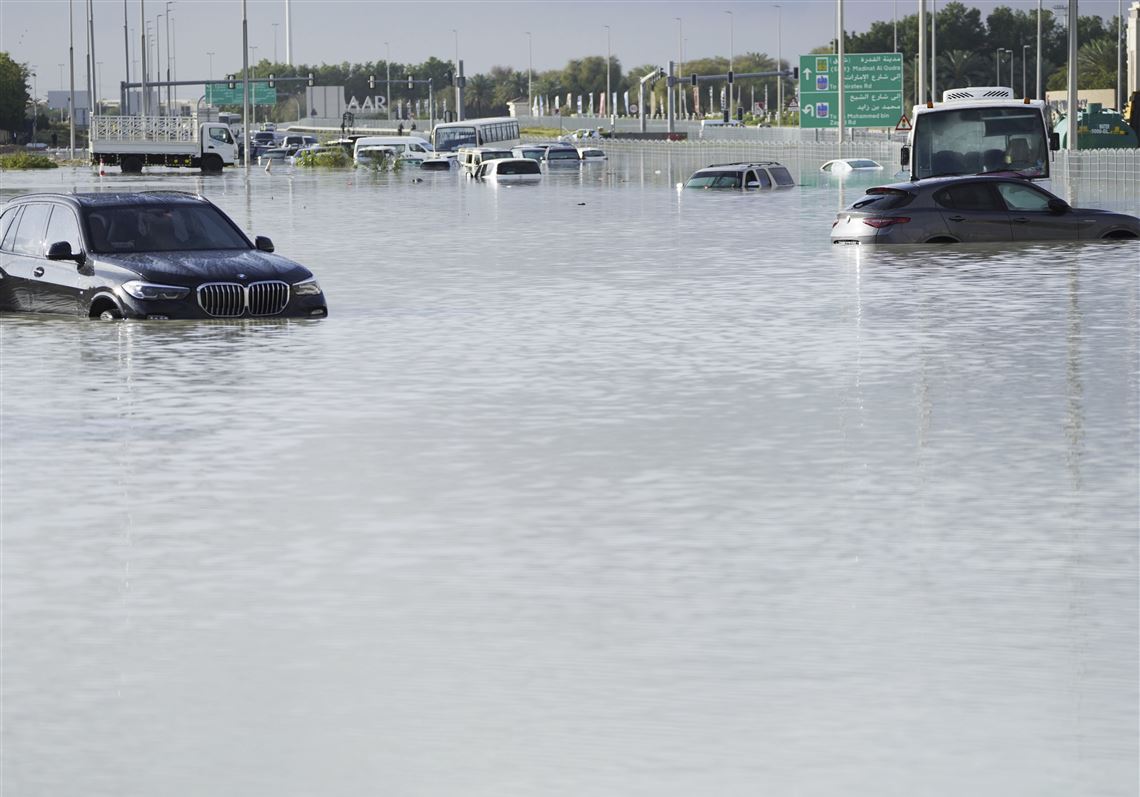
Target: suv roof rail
744	163
191	194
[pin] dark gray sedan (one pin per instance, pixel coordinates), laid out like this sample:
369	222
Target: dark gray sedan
981	209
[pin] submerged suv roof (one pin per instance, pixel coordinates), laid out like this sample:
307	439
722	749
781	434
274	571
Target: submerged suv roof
736	175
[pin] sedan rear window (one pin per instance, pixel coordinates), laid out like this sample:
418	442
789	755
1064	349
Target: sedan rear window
158	228
882	199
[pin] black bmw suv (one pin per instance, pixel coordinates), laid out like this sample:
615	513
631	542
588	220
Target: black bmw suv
153	254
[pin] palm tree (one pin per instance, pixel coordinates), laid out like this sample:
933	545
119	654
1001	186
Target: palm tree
479	95
959	68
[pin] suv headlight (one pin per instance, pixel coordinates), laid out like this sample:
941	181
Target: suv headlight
148	290
309	287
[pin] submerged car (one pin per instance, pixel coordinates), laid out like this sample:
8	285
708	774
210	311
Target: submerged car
510	170
561	155
152	254
742	176
845	165
977	209
591	154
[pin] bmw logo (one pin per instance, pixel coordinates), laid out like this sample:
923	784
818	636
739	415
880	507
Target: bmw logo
241	276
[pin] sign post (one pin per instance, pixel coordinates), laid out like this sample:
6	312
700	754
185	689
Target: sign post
221	94
872	90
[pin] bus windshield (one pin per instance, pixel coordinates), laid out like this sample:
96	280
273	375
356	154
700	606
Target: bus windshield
977	140
449	139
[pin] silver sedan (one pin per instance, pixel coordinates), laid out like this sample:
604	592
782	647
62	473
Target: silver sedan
978	209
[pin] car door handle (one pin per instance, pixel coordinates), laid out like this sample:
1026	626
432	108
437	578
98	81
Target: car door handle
1020	220
957	218
39	272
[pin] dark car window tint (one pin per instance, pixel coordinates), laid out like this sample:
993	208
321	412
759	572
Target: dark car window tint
63	227
882	199
30	232
512	167
968	196
765	180
1023	197
7	227
159	228
782	176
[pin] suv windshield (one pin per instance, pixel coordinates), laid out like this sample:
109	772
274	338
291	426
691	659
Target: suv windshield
161	228
714	180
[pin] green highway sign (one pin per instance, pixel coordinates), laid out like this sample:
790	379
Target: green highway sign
872	90
222	94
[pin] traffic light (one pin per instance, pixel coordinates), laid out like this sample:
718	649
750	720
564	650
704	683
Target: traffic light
795	73
232	82
409	82
730	76
310	81
271	80
693	78
371	81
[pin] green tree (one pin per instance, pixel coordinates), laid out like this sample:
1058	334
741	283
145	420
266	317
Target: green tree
962	68
479	96
14	97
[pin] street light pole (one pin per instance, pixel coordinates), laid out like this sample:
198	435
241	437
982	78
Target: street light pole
779	68
731	92
680	61
1024	61
168	86
529	71
458	91
388	77
608	59
275	24
211	57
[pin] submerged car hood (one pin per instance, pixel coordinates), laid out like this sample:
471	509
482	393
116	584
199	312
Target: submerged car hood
181	268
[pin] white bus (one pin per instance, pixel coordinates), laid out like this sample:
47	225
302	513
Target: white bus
501	132
976	130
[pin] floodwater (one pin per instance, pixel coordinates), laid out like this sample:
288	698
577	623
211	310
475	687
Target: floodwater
593	487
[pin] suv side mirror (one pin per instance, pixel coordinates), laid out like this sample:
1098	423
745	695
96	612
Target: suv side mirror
61	250
263	244
1054	141
1058	206
904	156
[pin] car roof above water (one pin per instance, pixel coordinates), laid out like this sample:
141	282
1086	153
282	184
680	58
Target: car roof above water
105	199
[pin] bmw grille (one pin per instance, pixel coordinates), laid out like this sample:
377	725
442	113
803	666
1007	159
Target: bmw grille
232	299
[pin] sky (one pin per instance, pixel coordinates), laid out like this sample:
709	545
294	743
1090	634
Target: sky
485	32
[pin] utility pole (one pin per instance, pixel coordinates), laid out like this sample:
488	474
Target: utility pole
143	46
608	59
779	68
529	71
71	96
388	73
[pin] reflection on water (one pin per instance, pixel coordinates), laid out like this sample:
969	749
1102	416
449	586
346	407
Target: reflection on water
591	487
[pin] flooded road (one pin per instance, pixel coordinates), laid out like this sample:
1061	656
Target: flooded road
593	487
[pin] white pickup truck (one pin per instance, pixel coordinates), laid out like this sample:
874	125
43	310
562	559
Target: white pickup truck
132	142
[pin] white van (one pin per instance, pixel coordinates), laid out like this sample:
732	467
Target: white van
406	147
471	158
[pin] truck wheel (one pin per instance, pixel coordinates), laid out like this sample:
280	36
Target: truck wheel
212	164
131	164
